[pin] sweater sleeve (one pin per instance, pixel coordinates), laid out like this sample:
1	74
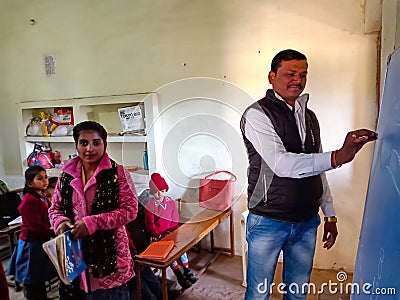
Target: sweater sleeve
260	131
126	212
33	215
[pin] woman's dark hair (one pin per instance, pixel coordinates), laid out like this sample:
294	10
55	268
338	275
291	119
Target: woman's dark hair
30	175
89	125
285	55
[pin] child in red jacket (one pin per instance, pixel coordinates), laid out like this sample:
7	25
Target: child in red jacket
29	263
161	217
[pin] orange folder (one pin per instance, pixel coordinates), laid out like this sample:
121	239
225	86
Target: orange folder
157	250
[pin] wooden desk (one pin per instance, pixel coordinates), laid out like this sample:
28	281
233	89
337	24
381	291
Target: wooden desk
185	237
11	231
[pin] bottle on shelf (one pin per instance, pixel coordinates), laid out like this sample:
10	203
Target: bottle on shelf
145	160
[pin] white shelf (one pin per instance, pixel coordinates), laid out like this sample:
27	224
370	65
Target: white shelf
127	139
54	172
49	139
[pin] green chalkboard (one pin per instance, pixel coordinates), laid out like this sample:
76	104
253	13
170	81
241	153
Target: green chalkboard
377	270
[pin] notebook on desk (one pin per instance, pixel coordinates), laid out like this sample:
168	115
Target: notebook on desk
157	250
17	220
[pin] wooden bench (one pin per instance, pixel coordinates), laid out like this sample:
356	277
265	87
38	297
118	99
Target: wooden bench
185	237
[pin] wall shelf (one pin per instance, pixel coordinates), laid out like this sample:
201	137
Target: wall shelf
125	149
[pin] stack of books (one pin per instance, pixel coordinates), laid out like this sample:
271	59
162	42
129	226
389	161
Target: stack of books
67	256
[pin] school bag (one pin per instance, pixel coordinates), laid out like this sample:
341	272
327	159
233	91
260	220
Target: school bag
41	156
137	228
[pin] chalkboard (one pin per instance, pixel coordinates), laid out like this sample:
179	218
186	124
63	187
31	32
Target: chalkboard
377	270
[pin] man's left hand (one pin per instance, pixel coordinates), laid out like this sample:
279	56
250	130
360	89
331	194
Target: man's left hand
330	234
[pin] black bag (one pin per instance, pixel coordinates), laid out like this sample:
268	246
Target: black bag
9	203
137	228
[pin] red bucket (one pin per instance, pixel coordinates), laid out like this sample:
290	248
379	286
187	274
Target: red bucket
216	194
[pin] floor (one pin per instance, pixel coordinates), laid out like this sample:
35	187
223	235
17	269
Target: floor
223	280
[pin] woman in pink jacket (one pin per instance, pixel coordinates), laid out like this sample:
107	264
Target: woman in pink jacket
95	198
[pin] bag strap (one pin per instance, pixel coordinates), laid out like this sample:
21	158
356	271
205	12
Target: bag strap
218	172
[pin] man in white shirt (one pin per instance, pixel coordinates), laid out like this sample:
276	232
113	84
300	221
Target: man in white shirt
286	180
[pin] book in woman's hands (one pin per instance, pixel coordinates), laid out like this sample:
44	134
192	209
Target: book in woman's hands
157	250
66	255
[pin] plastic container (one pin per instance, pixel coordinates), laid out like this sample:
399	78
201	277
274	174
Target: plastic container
145	160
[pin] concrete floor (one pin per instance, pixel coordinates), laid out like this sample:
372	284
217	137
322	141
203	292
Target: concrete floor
223	280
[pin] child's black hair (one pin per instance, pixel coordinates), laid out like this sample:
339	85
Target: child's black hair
52	182
30	175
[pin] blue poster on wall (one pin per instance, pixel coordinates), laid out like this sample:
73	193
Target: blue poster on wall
377	270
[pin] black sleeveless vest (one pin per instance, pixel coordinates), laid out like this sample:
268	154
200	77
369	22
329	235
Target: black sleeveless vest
283	198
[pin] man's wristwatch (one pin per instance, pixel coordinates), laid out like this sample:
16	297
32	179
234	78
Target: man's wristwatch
330	219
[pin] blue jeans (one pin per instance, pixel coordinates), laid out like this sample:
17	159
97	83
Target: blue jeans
121	293
266	238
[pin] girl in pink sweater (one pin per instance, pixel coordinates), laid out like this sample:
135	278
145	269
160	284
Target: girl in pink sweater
161	217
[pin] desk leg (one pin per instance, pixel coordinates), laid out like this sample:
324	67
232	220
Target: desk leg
138	281
232	233
212	241
164	285
14	239
12	244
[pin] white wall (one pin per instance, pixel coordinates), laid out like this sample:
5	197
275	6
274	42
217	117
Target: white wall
107	47
196	133
390	33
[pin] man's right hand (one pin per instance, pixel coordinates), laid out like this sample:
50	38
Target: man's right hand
354	141
63	227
